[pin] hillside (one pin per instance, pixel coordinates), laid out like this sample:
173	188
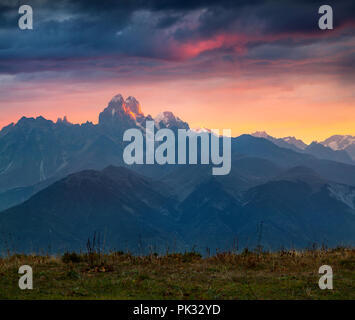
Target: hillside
292	209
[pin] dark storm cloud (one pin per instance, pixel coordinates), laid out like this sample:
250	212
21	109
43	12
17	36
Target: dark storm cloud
77	34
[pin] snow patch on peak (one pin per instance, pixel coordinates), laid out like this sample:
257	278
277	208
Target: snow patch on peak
117	99
261	134
216	133
131	99
339	142
165	116
199	130
286	142
296	142
167	119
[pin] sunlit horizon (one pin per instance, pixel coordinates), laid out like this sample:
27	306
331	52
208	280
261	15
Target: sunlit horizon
241	66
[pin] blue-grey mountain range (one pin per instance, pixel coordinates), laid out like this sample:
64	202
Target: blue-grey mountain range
60	183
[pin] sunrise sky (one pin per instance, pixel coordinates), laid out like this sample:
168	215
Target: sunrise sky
244	65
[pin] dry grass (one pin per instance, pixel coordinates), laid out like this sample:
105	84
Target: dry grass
248	275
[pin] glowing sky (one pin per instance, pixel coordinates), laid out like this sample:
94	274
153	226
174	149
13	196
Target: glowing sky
254	65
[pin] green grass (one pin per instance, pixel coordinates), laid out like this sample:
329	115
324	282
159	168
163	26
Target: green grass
278	275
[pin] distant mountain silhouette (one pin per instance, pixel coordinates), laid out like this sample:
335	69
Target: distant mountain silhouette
117	203
336	148
286	142
322	152
61	182
341	142
36	149
137	213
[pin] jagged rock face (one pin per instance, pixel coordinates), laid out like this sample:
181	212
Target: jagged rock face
339	142
286	142
329	149
167	119
121	113
36	149
133	105
296	142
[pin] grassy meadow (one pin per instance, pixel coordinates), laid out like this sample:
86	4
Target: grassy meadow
118	275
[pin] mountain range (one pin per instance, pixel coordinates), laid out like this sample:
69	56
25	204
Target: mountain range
337	147
60	183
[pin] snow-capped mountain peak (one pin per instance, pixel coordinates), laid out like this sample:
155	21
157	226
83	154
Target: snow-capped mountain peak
296	142
133	105
339	142
261	134
286	142
117	99
167	119
119	110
